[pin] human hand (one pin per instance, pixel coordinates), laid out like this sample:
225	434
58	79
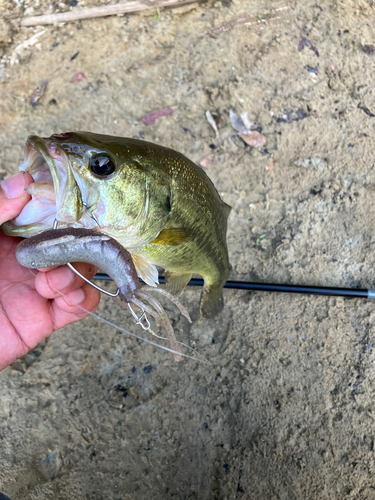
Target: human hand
30	307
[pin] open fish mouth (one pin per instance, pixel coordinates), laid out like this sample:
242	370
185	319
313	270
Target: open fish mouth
55	192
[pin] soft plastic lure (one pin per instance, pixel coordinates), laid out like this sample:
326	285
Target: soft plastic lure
62	246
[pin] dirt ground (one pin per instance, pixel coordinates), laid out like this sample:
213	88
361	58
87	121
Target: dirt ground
283	407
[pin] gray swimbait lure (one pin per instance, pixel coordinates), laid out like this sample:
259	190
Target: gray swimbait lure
61	246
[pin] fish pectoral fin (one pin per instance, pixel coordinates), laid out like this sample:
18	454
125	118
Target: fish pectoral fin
176	282
145	270
173	237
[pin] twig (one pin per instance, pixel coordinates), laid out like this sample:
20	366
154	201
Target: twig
259	21
243	20
105	10
27	43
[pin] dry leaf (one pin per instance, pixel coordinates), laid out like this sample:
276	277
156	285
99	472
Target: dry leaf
152	117
77	77
248	124
205	162
305	42
241	124
37	94
254	139
212	122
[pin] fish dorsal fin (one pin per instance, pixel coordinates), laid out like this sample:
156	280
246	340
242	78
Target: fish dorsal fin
145	270
173	237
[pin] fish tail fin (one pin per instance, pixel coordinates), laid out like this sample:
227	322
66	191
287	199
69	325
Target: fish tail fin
212	301
176	282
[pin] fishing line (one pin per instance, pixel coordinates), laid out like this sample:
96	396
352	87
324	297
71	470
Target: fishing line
203	359
272	287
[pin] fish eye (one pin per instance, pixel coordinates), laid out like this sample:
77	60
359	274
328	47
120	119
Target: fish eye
102	166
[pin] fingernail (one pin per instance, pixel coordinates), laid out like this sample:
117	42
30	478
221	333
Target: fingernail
75	297
14	186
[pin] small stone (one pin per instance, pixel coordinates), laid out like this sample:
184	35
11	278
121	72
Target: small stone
309	162
49	465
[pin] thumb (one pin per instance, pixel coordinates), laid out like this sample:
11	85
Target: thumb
13	196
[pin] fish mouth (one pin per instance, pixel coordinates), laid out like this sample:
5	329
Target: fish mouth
55	194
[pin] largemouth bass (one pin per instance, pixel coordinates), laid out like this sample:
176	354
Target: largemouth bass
154	201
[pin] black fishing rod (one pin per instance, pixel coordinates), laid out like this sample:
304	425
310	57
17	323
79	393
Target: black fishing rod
267	287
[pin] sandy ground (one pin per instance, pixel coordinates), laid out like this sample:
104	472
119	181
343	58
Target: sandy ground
283	407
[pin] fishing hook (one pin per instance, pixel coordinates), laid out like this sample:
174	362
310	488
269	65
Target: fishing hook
91	283
138	320
92	215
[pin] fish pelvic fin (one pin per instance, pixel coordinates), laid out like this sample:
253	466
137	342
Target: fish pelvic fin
212	301
176	282
173	237
145	270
